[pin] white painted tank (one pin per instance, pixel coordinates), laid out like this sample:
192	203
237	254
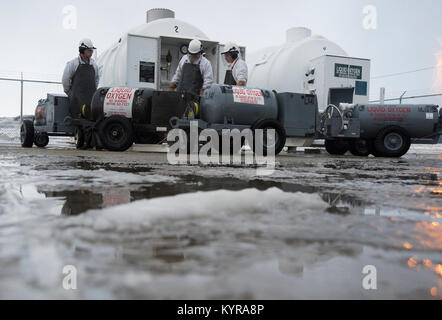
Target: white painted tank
112	62
284	67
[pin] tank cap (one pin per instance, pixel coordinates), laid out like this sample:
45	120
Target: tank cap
159	13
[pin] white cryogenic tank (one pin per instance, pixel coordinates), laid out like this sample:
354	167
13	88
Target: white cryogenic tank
148	55
308	63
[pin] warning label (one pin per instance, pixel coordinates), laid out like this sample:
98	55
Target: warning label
118	102
250	96
388	113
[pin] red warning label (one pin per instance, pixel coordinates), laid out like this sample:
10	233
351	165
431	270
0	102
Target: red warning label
118	101
250	96
388	113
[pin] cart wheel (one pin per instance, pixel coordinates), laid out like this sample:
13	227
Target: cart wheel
79	138
392	142
41	140
361	147
280	136
27	134
116	133
336	147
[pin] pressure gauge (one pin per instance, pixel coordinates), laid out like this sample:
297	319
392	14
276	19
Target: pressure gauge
184	49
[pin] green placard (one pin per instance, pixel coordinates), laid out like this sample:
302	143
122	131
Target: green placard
341	70
355	72
348	71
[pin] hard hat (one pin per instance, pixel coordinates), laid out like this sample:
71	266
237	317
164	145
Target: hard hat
230	48
86	44
195	47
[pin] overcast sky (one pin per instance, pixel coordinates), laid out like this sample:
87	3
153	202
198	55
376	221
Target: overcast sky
408	36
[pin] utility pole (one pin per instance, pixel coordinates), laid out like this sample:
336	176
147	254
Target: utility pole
21	100
382	96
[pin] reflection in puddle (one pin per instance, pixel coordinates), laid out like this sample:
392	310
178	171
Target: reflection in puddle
433	234
310	255
80	201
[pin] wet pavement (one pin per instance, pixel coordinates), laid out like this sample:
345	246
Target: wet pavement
136	227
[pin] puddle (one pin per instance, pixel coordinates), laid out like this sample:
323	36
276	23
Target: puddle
305	232
82	200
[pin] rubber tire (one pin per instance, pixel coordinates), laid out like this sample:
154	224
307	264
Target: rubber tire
357	149
126	133
381	150
336	147
270	124
41	140
27	134
79	138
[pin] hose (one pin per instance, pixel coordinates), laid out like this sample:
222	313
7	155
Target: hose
326	113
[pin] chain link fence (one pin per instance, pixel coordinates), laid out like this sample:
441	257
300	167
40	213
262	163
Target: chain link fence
10	125
10	130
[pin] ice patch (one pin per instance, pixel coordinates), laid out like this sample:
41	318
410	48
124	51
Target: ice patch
144	213
425	149
12	207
